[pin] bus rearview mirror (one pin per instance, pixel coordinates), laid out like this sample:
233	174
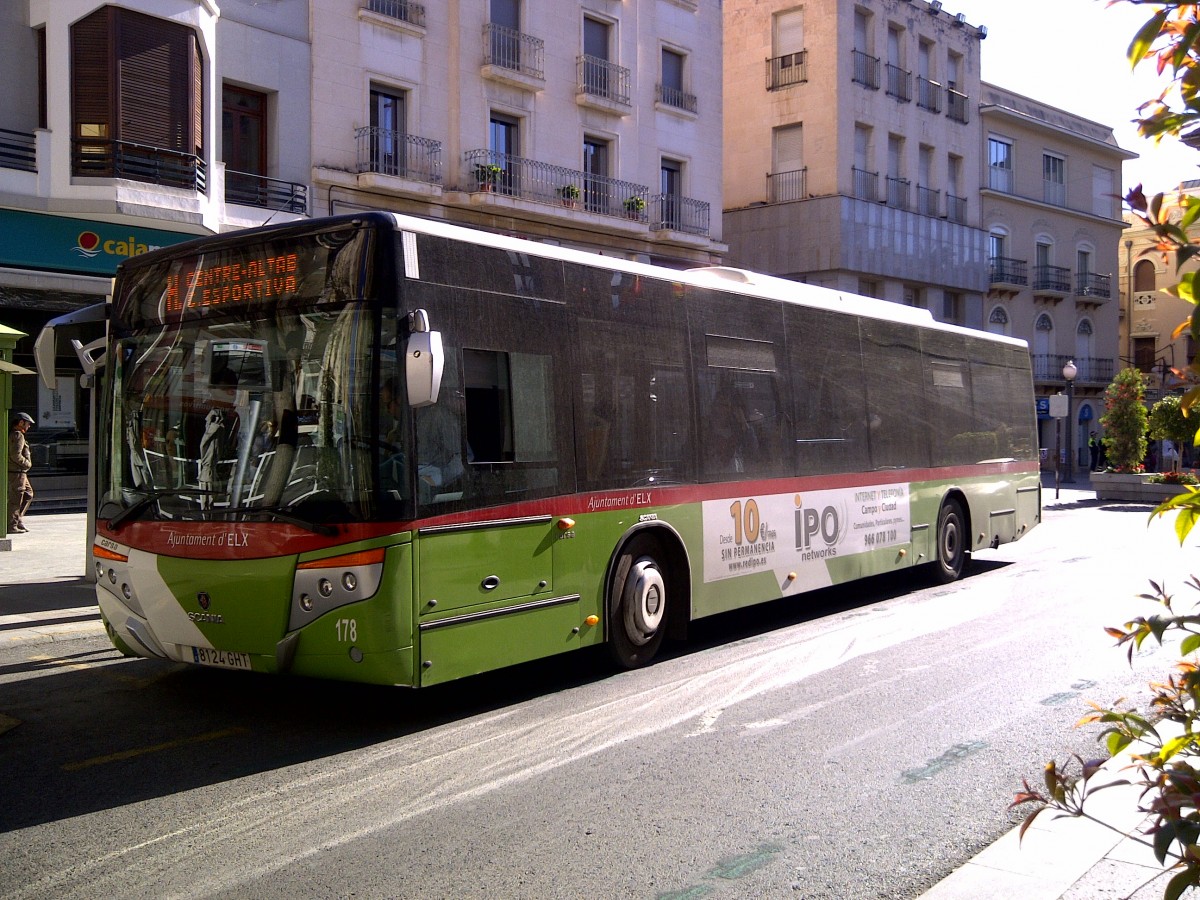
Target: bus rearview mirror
423	362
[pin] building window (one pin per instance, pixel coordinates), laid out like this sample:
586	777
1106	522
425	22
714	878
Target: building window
913	297
1054	179
1144	279
671	185
596	186
787	180
1000	165
244	144
1103	192
670	90
787	64
1143	353
952	307
503	146
868	287
137	99
998	321
388	117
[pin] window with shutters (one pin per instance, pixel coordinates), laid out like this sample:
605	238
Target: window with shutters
788	64
787	181
137	99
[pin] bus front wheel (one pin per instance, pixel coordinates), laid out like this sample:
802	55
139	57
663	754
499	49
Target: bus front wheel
638	612
951	542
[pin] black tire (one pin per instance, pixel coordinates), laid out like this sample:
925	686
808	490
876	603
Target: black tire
637	616
952	539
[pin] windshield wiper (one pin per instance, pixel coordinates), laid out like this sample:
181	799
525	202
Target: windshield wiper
135	509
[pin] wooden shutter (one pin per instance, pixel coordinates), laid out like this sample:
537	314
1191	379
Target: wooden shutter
91	97
155	82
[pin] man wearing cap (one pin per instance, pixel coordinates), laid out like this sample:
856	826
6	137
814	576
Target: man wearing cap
20	461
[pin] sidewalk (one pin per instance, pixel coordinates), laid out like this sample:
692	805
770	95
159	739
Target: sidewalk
44	595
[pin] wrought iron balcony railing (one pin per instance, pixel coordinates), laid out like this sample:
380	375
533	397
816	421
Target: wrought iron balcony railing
1004	270
672	212
897	192
401	10
598	77
865	69
1091	285
865	184
669	96
956	209
785	186
899	83
956	105
267	193
789	69
1047	368
501	173
1051	279
927	201
18	150
929	95
98	158
395	153
508	48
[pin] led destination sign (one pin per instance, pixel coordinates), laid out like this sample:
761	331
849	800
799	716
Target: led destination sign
266	278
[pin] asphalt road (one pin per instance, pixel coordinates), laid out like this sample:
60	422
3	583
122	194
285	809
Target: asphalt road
862	742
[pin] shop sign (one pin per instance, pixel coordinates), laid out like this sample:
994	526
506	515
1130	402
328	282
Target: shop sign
61	244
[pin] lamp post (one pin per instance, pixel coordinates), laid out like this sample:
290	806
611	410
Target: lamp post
1069	372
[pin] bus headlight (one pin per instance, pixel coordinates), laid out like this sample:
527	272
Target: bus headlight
324	584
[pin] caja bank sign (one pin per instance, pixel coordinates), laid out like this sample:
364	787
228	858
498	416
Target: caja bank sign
63	244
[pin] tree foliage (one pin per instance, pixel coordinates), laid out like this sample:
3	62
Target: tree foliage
1168	423
1124	421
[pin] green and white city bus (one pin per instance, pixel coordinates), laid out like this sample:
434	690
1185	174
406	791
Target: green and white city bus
391	450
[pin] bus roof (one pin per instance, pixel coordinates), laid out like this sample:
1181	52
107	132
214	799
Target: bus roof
733	280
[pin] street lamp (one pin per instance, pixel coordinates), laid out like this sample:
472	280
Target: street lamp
1069	372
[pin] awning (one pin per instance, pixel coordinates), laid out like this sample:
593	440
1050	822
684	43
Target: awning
14	369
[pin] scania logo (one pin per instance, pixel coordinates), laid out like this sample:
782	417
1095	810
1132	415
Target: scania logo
203	599
211	618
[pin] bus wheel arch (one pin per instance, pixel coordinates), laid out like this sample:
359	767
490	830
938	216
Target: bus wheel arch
952	537
647	596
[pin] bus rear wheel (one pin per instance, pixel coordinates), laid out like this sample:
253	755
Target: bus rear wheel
638	611
951	542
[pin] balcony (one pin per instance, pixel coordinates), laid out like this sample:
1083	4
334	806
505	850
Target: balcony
927	201
602	85
956	209
18	150
675	98
784	71
671	212
99	158
899	84
401	10
897	192
1004	272
956	106
1051	282
929	95
1047	369
1091	288
507	176
266	193
1000	178
783	187
399	155
512	57
864	184
865	69
1054	192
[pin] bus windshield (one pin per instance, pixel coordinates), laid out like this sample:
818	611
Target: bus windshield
248	412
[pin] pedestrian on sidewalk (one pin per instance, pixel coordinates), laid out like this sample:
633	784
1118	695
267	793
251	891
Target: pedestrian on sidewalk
20	461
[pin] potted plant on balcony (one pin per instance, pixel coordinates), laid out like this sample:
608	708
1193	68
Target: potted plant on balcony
486	175
634	206
569	194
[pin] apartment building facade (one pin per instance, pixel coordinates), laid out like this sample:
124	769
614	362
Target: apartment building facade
853	161
1149	315
870	157
1051	208
135	124
593	124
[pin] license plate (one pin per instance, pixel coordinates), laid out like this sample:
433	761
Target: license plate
221	659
